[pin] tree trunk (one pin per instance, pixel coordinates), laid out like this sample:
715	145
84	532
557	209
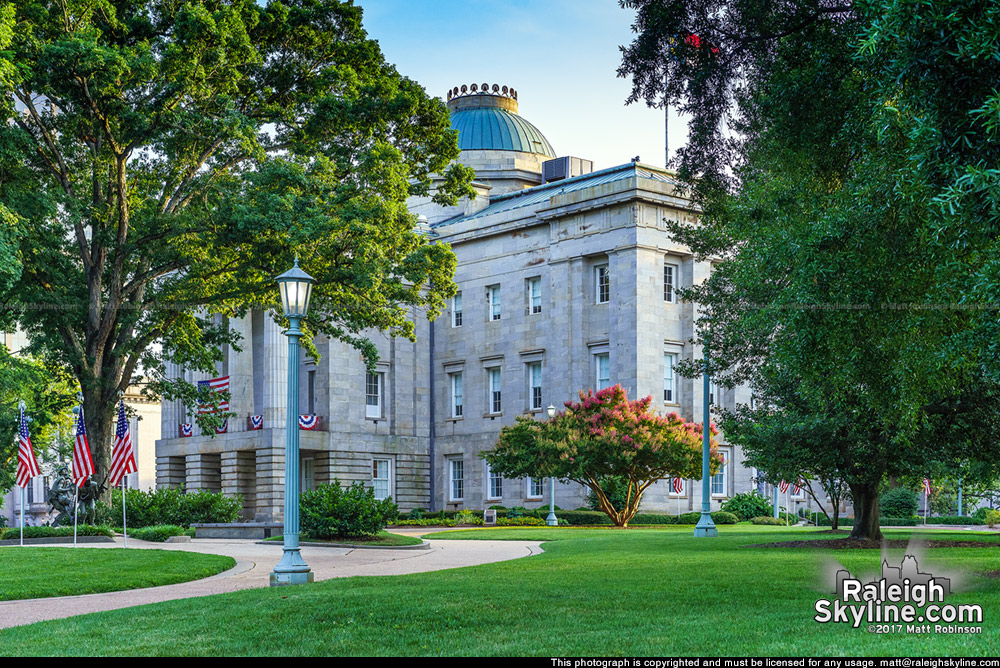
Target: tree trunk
99	416
866	520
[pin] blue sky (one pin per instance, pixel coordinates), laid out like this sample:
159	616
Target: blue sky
560	55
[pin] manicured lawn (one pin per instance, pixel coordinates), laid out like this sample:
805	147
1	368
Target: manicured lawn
383	539
637	592
41	572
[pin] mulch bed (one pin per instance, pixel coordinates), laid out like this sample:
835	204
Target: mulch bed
848	544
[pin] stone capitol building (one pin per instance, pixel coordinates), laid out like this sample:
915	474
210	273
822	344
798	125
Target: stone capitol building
567	280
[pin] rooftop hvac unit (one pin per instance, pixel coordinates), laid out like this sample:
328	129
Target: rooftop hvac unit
565	167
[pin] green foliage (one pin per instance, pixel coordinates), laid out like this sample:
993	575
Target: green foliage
170	507
157	534
748	505
898	502
604	439
14	533
980	513
331	511
770	520
417	513
862	206
615	489
520	522
467	517
992	518
722	517
197	147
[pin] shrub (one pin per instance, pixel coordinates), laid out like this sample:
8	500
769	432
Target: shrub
980	513
956	519
768	520
615	488
689	518
520	522
417	513
653	519
898	502
158	534
56	532
332	511
748	505
992	518
497	508
468	517
170	507
723	517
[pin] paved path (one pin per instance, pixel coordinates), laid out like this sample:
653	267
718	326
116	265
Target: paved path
254	563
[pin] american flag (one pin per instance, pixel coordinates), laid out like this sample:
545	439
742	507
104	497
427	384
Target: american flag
927	486
798	487
83	465
27	465
215	385
678	485
783	487
122	452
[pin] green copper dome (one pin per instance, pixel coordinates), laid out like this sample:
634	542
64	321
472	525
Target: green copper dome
489	121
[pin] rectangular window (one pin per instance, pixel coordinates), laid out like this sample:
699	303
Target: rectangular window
669	378
308	478
381	478
534	290
602	284
311	391
713	393
535	488
493	301
456	309
603	364
670	273
494	485
494	379
535	385
456	477
719	479
373	395
456	395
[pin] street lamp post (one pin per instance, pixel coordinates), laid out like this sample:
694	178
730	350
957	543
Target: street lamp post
705	526
296	288
552	520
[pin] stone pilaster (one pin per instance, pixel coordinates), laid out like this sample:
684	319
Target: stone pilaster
169	472
203	472
270	497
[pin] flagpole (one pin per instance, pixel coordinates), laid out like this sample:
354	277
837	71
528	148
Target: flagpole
76	509
124	522
22	517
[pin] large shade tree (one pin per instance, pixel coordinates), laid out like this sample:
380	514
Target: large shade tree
162	160
829	204
604	436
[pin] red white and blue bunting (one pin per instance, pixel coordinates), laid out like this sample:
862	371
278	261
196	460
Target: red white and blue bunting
186	430
308	422
256	422
224	428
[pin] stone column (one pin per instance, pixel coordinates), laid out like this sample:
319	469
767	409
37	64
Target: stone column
275	375
270	493
169	472
241	375
203	473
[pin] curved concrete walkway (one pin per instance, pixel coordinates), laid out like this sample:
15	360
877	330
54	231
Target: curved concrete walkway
254	563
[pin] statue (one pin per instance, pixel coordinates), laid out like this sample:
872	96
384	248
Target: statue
90	491
62	493
61	497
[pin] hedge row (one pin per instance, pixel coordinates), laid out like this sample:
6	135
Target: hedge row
14	533
536	517
158	534
883	521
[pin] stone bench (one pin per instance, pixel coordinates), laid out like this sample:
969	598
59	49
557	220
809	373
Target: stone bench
249	530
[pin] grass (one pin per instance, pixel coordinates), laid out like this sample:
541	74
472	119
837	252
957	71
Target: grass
603	592
42	572
382	539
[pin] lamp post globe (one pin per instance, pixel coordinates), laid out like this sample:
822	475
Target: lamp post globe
295	287
551	520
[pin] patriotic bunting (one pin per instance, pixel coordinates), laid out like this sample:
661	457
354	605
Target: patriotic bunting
27	465
224	428
122	452
186	430
308	422
256	422
83	465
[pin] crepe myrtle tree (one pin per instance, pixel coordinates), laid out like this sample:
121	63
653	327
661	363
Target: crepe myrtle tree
162	161
604	435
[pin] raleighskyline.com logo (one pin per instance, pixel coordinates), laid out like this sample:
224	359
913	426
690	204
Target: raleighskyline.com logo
903	600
